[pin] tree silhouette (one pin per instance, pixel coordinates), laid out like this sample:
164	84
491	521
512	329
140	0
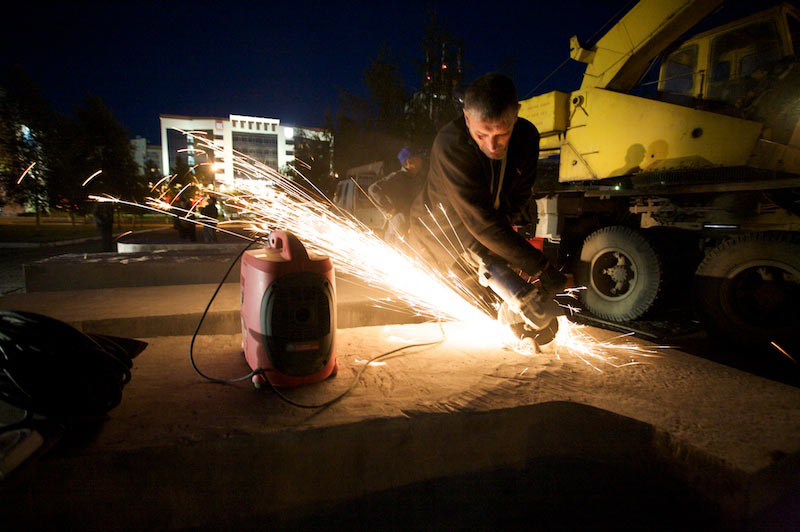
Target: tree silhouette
377	126
371	128
25	129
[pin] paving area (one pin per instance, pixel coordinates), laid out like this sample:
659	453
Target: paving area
462	433
183	453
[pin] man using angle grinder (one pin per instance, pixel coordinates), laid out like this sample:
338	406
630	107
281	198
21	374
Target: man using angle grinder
482	173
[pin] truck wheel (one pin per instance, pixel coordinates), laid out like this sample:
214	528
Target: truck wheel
747	288
621	272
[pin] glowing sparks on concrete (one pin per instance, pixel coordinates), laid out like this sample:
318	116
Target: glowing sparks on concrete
97	173
272	201
615	352
486	335
28	169
374	363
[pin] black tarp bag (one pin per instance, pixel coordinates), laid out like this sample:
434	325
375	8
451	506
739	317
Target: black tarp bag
49	368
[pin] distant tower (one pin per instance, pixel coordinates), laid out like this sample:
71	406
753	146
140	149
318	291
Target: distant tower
439	97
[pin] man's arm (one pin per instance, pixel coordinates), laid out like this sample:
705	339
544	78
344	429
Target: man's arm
380	198
385	191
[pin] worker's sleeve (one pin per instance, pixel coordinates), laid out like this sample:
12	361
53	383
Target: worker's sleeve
381	194
470	196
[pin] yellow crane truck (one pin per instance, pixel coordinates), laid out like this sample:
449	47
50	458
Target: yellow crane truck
694	191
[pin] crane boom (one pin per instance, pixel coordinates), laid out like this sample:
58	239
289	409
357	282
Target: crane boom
622	55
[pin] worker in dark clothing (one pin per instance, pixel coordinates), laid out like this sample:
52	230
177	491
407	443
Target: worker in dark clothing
183	219
104	219
482	174
394	194
210	214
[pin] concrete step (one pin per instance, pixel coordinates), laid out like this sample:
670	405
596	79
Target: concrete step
86	271
149	311
154	257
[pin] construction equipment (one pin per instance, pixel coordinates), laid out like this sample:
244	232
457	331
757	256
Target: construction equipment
288	313
692	191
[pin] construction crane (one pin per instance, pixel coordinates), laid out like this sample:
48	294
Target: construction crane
694	191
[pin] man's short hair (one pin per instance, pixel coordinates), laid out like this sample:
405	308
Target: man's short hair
491	95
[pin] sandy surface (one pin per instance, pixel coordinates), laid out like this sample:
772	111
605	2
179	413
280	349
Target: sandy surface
744	421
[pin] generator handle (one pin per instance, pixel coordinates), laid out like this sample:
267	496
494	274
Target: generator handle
289	245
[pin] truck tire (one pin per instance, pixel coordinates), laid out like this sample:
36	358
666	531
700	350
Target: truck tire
747	288
621	272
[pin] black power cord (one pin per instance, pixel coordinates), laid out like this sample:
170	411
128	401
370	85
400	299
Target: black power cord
357	378
262	371
203	317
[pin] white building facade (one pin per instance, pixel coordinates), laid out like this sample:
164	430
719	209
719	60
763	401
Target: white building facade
263	139
143	152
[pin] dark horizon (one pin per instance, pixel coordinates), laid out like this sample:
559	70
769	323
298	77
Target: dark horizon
202	59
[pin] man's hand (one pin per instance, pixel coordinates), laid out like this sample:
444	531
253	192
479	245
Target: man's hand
552	281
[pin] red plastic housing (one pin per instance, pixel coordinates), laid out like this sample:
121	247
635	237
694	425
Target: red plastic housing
286	263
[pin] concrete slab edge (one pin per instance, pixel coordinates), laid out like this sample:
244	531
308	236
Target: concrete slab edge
123	247
205	484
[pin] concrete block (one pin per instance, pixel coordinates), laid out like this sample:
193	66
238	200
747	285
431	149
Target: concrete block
111	270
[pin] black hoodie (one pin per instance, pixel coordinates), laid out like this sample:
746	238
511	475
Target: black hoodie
463	181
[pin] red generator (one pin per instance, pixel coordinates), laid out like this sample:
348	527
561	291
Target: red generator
288	313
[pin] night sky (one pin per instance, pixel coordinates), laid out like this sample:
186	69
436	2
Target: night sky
285	60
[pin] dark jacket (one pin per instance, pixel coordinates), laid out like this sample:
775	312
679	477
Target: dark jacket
461	180
210	210
395	193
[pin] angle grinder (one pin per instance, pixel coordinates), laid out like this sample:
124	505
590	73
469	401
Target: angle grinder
529	308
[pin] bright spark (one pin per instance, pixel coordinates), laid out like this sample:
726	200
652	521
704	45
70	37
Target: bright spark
374	363
160	181
28	169
97	173
273	201
616	352
184	189
783	351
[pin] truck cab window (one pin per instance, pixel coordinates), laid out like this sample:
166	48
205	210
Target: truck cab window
738	57
721	71
679	71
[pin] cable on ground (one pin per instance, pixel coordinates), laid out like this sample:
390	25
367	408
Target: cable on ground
262	371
